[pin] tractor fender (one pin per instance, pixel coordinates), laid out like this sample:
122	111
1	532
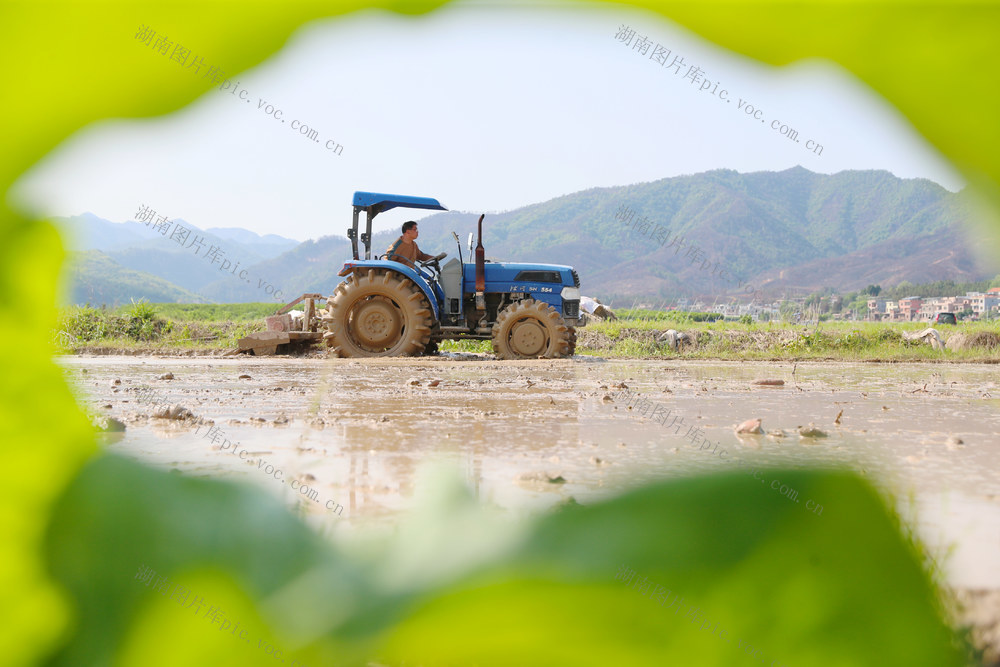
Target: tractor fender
412	274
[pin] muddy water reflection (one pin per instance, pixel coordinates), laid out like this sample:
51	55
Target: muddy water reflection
357	432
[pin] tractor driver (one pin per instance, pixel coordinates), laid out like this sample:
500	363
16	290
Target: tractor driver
404	249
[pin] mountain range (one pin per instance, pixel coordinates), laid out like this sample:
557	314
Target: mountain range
774	233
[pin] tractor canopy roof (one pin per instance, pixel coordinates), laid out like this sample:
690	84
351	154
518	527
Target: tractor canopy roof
377	202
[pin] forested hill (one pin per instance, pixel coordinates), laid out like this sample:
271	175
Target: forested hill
786	232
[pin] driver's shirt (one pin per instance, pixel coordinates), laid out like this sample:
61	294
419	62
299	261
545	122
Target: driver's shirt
406	252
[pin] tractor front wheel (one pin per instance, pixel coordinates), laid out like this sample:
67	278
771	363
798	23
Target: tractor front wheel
379	314
531	329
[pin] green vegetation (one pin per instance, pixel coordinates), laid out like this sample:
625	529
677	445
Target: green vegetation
96	278
677	316
216	312
936	288
635	336
137	322
469	345
748	552
161	328
139	326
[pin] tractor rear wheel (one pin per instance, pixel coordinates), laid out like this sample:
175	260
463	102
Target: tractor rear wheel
530	329
379	314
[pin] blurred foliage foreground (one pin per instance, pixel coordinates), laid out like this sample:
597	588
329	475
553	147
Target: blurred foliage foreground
458	586
721	572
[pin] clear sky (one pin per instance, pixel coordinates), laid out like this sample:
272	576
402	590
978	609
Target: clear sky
486	107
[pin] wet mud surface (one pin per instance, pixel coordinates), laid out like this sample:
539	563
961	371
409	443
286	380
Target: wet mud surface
527	435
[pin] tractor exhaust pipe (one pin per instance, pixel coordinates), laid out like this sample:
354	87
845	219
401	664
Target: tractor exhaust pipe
480	268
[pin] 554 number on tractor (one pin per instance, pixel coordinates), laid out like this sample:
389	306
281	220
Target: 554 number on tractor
386	308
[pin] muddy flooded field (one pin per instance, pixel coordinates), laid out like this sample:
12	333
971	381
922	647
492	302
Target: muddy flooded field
343	440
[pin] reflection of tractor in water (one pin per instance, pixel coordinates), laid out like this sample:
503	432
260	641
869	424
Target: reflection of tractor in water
386	308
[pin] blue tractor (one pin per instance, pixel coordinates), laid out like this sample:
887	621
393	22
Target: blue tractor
386	308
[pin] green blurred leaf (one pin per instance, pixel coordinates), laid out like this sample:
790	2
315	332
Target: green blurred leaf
841	588
118	515
836	589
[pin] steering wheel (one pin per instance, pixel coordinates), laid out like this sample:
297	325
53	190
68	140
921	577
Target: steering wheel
434	260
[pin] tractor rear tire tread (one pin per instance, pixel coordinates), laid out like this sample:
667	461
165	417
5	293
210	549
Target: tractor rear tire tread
556	334
413	311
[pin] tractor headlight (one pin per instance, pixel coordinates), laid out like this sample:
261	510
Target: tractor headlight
570	293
